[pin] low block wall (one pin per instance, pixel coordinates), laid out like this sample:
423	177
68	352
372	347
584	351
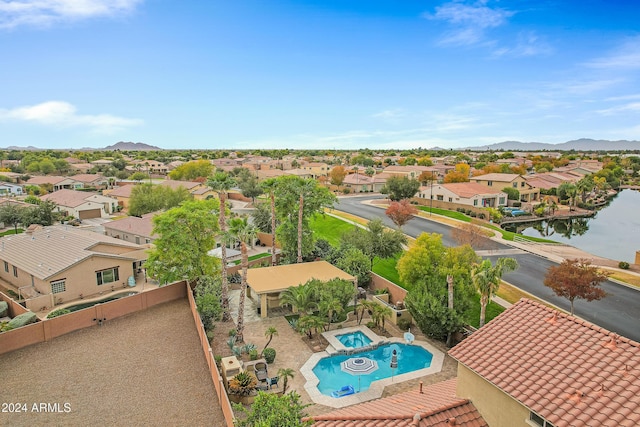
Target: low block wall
395	295
14	308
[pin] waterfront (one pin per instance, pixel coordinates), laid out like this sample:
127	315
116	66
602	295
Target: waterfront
614	232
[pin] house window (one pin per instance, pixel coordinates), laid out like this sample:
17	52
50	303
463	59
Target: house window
440	197
515	185
501	202
537	420
475	202
450	199
58	286
490	183
6	267
522	184
107	276
15	271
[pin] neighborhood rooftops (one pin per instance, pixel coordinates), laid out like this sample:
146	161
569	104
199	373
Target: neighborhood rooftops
435	405
563	368
281	277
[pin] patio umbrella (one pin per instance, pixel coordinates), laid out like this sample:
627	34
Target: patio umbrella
359	366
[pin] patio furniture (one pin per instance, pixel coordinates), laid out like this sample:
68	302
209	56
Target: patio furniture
261	371
344	391
262	386
273	381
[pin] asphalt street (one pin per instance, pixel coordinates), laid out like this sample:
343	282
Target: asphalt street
619	311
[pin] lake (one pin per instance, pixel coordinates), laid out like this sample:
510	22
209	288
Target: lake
614	232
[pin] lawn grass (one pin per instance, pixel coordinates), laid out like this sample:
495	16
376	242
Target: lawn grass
256	256
630	279
510	293
349	217
329	228
472	316
387	269
12	231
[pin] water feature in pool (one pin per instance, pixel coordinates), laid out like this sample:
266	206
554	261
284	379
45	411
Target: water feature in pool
331	376
354	339
92	303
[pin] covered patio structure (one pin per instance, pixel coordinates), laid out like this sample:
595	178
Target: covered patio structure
269	282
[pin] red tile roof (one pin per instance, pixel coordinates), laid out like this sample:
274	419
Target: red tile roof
565	369
434	407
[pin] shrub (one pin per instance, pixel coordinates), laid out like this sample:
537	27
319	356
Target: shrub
269	354
346	191
404	323
473	214
371	324
253	354
58	312
232	332
481	216
218	360
243	384
623	265
516	204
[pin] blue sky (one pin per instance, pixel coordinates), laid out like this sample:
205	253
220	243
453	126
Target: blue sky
334	74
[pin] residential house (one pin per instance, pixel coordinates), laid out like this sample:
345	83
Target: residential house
11	177
70	182
81	167
512	180
66	262
132	229
9	189
190	186
464	193
435	405
96	181
361	183
121	193
534	366
317	169
55	183
269	173
82	204
549	180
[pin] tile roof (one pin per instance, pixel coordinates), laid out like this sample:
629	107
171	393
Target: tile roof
39	180
134	225
435	406
72	198
565	369
500	177
50	250
120	191
88	177
469	189
189	185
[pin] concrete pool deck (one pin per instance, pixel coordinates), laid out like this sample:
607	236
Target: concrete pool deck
376	389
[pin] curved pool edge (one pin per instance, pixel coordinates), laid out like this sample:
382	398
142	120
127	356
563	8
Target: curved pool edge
376	388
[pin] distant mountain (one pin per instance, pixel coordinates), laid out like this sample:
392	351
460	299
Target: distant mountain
583	144
29	148
132	146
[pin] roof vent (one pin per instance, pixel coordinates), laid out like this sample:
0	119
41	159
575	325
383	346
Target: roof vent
553	319
611	343
602	390
451	422
625	371
416	420
577	396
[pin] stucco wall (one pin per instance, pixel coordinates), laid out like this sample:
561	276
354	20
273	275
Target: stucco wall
496	407
637	258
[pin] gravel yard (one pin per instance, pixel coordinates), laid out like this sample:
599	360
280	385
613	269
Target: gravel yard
147	368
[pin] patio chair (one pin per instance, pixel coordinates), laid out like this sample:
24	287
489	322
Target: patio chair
273	382
261	371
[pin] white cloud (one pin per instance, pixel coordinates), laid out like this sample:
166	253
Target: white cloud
62	114
632	106
527	44
624	57
42	13
470	21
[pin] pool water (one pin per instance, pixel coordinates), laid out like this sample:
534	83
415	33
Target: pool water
410	358
354	340
92	303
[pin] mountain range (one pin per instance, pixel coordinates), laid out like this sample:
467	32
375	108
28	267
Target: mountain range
583	144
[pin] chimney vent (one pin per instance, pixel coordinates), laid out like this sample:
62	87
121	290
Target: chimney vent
451	422
421	392
553	319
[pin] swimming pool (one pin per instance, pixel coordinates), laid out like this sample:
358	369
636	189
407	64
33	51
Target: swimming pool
354	339
331	377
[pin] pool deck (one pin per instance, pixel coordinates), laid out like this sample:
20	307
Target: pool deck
376	388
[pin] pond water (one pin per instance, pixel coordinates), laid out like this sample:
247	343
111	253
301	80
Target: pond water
614	232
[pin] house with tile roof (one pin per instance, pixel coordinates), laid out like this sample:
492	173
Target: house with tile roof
434	405
132	229
82	204
65	262
464	193
534	366
512	180
9	189
121	193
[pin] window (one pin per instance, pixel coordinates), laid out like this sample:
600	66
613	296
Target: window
450	199
15	271
490	183
501	202
475	202
107	276
522	184
6	267
515	185
537	420
58	286
440	197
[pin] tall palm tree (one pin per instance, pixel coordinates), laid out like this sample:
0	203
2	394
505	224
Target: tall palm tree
221	183
330	306
487	277
285	374
245	233
269	187
269	333
305	189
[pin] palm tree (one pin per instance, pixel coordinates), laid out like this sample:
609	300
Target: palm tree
221	182
380	314
269	187
269	333
487	278
300	298
285	374
245	233
308	323
330	307
365	306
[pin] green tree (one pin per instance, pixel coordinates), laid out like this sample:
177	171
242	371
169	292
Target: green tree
330	307
11	214
269	187
248	184
269	333
186	235
356	263
138	176
146	198
300	298
398	188
374	241
190	171
221	183
487	278
42	213
285	374
245	233
512	193
272	410
207	296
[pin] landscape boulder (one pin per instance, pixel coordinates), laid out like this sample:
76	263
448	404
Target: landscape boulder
22	320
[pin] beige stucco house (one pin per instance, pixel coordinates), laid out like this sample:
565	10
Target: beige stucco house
464	193
82	204
499	181
67	263
132	229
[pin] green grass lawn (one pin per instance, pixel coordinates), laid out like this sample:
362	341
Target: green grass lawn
472	316
387	269
256	256
12	231
329	228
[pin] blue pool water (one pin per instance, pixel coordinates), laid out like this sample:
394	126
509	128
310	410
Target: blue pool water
410	358
354	340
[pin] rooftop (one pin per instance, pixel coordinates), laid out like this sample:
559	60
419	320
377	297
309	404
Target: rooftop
281	277
134	225
565	369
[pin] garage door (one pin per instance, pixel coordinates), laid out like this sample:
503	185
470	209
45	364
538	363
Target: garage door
91	213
